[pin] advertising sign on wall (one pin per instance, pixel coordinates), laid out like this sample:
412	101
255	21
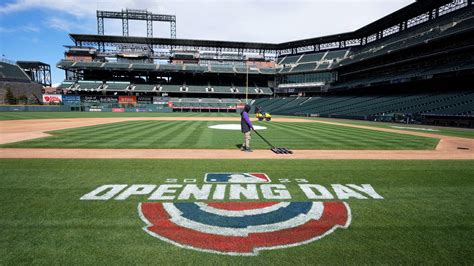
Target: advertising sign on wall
127	99
145	99
71	99
160	100
91	99
52	98
108	99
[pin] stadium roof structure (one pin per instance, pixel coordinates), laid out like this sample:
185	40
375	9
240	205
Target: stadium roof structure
29	64
92	38
39	72
343	39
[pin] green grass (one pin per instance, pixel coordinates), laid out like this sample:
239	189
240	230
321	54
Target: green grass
192	134
445	131
427	216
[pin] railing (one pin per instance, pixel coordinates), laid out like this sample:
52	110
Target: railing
7	61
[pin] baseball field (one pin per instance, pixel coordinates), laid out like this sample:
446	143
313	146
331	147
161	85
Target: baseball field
168	189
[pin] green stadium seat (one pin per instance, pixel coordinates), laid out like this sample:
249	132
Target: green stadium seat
243	69
292	59
143	66
314	57
66	85
196	68
116	65
116	86
12	72
170	67
143	87
222	69
308	67
89	85
331	55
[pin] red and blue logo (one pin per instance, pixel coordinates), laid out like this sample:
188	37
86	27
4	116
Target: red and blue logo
242	228
236	178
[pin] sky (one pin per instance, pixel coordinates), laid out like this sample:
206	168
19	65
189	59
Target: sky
36	30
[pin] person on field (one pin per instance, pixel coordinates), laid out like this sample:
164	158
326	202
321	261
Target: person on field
246	126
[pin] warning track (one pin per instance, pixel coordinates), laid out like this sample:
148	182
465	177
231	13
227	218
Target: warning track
449	148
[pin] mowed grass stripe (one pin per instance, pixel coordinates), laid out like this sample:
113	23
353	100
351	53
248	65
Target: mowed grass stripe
333	135
196	134
152	140
173	135
335	141
110	140
204	140
132	134
185	137
369	136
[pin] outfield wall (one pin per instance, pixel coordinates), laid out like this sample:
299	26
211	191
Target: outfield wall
84	108
34	108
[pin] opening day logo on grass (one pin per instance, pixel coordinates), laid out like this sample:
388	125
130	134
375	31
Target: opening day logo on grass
228	225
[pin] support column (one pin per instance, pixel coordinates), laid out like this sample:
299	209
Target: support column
100	25
173	29
149	25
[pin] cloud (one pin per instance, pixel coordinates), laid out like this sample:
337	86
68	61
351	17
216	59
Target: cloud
24	28
59	24
236	20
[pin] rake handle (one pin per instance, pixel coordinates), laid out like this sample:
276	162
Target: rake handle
264	139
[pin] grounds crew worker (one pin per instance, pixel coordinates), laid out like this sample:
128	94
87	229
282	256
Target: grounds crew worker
246	126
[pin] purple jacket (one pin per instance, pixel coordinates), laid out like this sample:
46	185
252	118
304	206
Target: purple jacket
245	123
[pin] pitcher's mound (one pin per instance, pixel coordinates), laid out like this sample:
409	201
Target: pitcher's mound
234	127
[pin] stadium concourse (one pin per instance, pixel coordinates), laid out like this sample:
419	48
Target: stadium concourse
448	148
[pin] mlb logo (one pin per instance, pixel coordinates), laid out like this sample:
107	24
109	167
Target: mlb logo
236	178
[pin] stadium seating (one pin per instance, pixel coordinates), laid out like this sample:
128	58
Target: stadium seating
65	64
307	58
335	54
116	65
12	72
362	107
204	103
244	69
304	67
197	89
323	66
170	67
222	68
170	88
143	87
144	66
293	59
116	86
429	30
286	69
87	85
90	65
269	71
196	68
66	85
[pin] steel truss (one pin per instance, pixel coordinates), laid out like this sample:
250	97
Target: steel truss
135	14
371	33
